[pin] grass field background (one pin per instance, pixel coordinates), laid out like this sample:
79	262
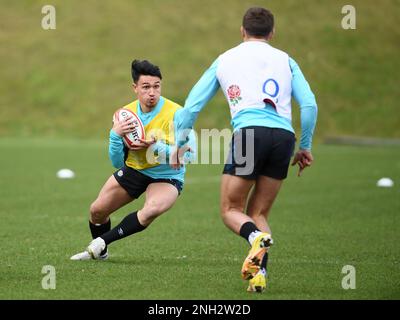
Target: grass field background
76	76
331	217
59	89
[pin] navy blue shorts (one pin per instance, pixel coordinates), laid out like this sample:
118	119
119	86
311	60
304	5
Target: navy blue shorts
259	151
135	182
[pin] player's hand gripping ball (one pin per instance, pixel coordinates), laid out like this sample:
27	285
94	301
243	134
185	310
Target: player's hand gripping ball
133	138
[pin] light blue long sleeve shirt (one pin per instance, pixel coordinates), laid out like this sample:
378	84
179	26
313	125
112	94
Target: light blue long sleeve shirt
116	148
208	85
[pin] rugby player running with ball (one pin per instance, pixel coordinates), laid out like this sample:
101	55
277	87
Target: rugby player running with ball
136	174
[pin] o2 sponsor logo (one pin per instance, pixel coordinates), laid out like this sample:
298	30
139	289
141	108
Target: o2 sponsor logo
271	89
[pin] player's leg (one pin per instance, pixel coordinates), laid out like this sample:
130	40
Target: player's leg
160	196
268	184
237	180
111	197
240	173
234	193
260	202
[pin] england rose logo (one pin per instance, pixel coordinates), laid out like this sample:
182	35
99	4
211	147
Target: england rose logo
234	94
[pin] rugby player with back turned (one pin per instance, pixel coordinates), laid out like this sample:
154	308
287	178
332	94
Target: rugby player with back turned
258	81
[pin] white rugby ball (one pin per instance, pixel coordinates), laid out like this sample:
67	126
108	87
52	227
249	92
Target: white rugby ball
132	138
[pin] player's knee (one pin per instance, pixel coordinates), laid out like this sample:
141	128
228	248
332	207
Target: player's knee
225	217
256	214
153	209
224	211
97	214
227	208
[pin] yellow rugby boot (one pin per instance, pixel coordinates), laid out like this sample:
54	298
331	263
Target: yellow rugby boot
258	283
252	263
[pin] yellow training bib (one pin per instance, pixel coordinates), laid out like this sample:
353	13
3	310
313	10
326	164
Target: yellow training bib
161	127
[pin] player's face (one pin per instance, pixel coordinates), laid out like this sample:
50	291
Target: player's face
148	91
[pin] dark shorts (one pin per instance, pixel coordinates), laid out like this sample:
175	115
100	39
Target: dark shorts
261	151
135	182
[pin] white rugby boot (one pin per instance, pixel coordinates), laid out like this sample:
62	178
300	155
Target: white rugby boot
96	247
86	256
93	251
81	256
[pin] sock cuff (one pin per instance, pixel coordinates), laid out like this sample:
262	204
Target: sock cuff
128	226
100	224
98	229
247	228
136	221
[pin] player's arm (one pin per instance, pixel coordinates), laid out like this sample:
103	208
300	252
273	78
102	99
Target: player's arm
185	141
169	153
185	138
200	94
161	150
190	148
185	149
303	95
116	149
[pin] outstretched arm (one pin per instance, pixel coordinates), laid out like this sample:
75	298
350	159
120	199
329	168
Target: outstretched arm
186	151
200	94
184	148
302	93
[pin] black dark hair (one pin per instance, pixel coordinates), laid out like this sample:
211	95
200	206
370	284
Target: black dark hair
145	68
258	22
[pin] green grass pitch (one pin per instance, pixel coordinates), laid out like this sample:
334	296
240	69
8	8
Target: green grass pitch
331	217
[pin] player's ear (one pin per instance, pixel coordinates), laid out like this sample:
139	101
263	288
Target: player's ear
242	32
271	35
134	87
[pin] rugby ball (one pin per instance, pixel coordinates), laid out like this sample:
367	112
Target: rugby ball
132	138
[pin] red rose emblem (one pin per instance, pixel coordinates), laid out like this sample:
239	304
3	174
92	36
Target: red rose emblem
234	94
